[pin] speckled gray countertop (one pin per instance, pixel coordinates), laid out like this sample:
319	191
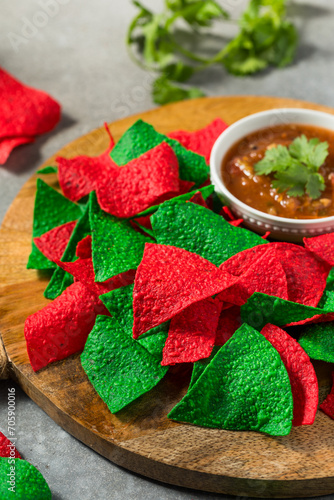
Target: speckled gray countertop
78	55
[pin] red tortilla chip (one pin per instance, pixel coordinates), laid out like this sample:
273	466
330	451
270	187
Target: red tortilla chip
170	279
82	270
143	182
305	274
7	448
198	199
264	275
202	140
303	379
191	335
328	405
80	175
229	322
84	248
7	144
62	327
25	111
53	243
322	246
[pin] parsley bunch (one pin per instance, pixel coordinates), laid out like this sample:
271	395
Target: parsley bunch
157	42
295	168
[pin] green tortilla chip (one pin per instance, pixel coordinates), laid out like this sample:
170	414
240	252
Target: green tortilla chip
52	209
244	387
119	368
142	136
116	246
50	169
119	304
60	279
199	230
201	364
318	341
261	309
27	482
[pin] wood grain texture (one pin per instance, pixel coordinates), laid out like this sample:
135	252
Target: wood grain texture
140	437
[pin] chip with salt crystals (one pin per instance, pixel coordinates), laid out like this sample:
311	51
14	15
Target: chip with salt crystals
51	210
7	144
7	448
192	333
29	484
116	246
318	341
60	280
202	140
143	182
119	368
244	387
168	280
261	309
119	304
199	230
82	174
141	137
61	328
53	243
303	379
327	406
265	275
25	111
322	246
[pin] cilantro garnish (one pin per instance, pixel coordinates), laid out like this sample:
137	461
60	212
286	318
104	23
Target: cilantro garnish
295	168
172	44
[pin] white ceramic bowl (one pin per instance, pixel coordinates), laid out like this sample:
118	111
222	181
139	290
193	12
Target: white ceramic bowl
280	228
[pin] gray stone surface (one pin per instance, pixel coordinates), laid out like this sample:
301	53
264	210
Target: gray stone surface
78	55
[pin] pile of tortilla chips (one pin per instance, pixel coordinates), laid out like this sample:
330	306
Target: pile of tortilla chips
149	272
25	113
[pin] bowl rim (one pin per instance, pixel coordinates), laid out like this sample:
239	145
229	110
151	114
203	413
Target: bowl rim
216	161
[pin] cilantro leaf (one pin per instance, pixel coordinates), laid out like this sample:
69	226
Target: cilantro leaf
169	43
296	168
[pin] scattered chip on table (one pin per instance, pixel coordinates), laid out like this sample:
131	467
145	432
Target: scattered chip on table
28	482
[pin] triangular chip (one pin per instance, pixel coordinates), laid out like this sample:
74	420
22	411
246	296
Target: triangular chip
7	144
118	367
202	140
318	341
51	210
53	243
245	387
61	328
141	137
143	182
60	280
119	304
201	231
303	379
192	333
170	279
116	246
25	111
322	246
81	175
28	482
7	448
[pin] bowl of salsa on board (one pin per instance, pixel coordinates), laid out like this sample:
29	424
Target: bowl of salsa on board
275	170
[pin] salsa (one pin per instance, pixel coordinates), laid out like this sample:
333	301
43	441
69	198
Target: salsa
257	191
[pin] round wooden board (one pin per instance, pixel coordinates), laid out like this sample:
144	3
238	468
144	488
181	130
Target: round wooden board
140	438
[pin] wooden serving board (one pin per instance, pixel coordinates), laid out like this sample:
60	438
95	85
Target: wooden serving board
140	437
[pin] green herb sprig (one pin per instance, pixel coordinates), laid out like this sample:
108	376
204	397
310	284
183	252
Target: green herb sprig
295	168
156	42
